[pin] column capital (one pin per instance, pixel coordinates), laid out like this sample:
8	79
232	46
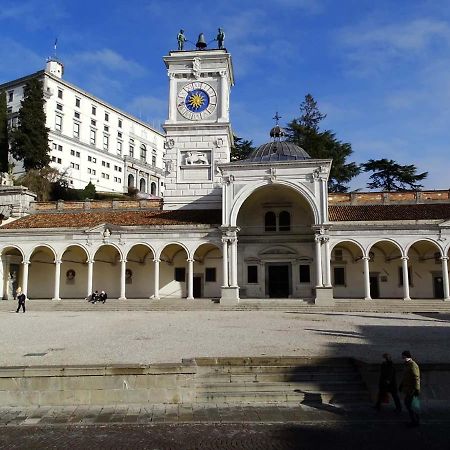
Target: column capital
90	261
444	258
405	258
156	260
190	259
366	258
123	260
26	262
58	261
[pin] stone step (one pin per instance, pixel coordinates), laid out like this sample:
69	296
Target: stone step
279	377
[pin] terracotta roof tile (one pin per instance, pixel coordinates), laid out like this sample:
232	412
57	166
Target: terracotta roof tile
339	213
125	218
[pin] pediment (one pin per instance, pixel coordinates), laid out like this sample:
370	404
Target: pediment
278	250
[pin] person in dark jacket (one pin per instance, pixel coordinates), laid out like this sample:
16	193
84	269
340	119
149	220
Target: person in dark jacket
21	297
388	383
410	386
103	296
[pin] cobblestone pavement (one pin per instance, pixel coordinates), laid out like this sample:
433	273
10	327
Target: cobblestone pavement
186	428
290	436
145	337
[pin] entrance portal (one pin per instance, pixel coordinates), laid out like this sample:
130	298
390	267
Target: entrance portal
278	280
374	286
197	287
438	287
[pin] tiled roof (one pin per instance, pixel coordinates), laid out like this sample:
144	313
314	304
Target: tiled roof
357	213
124	218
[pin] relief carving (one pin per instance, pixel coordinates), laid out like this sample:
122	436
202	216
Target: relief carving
195	158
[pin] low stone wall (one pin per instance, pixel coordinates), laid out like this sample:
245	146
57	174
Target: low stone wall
97	385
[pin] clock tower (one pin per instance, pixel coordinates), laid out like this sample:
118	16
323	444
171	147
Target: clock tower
198	130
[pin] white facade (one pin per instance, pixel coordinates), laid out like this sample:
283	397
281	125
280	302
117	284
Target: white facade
92	141
268	228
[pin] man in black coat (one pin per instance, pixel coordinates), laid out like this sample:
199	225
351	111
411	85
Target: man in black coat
388	383
21	299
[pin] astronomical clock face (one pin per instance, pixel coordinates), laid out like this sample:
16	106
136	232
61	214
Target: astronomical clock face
196	101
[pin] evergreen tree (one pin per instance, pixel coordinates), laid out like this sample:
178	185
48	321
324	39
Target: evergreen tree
241	149
4	147
305	132
388	175
89	191
29	142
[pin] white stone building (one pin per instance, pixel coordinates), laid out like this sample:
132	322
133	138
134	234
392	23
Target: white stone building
264	227
90	140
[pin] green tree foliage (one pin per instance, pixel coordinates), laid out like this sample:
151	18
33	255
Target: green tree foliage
305	132
89	191
41	182
241	149
29	142
4	147
388	175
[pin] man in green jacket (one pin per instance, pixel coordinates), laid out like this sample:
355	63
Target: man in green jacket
410	386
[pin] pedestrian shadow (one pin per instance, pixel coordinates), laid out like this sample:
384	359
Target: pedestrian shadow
314	400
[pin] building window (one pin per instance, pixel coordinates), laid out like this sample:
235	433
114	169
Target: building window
153	160
58	123
105	176
59	107
77	102
252	274
58	160
93	122
105	142
120	123
106	116
270	221
284	223
72	152
75	166
92	159
94	110
93	137
10	96
180	274
76	130
131	151
338	255
118	180
119	147
339	276
210	275
106	128
143	153
76	114
305	273
400	276
153	189
60	93
119	134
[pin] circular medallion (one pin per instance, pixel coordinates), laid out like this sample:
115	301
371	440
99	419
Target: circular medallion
196	101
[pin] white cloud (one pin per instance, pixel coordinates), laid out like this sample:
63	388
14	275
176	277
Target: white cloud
20	60
149	108
107	59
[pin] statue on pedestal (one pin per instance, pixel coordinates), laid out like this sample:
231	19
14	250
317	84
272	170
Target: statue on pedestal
220	38
181	39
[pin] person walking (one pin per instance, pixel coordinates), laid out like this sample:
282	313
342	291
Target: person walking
388	383
410	386
21	297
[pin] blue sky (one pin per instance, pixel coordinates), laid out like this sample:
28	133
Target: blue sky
379	69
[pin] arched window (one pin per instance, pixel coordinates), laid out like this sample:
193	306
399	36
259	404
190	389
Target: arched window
284	221
130	180
153	189
143	153
142	185
270	221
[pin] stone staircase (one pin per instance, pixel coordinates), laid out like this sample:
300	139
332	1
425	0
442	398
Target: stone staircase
315	381
286	305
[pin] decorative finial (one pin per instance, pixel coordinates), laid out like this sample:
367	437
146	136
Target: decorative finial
276	118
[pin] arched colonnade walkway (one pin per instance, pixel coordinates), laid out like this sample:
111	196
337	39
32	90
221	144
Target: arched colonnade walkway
140	271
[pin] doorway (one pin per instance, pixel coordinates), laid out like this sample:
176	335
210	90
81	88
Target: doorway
374	286
278	280
438	286
197	286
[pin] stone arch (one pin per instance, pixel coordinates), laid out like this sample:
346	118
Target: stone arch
424	261
352	241
387	240
208	270
74	271
12	246
153	188
131	180
107	269
12	257
142	185
141	271
247	191
41	275
173	270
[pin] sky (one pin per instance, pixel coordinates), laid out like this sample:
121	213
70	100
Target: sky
380	70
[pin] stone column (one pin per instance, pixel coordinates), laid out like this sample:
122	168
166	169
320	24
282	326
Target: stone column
156	294
233	261
318	240
445	277
173	96
90	289
223	96
225	262
25	277
123	268
190	281
366	260
327	280
58	263
405	278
